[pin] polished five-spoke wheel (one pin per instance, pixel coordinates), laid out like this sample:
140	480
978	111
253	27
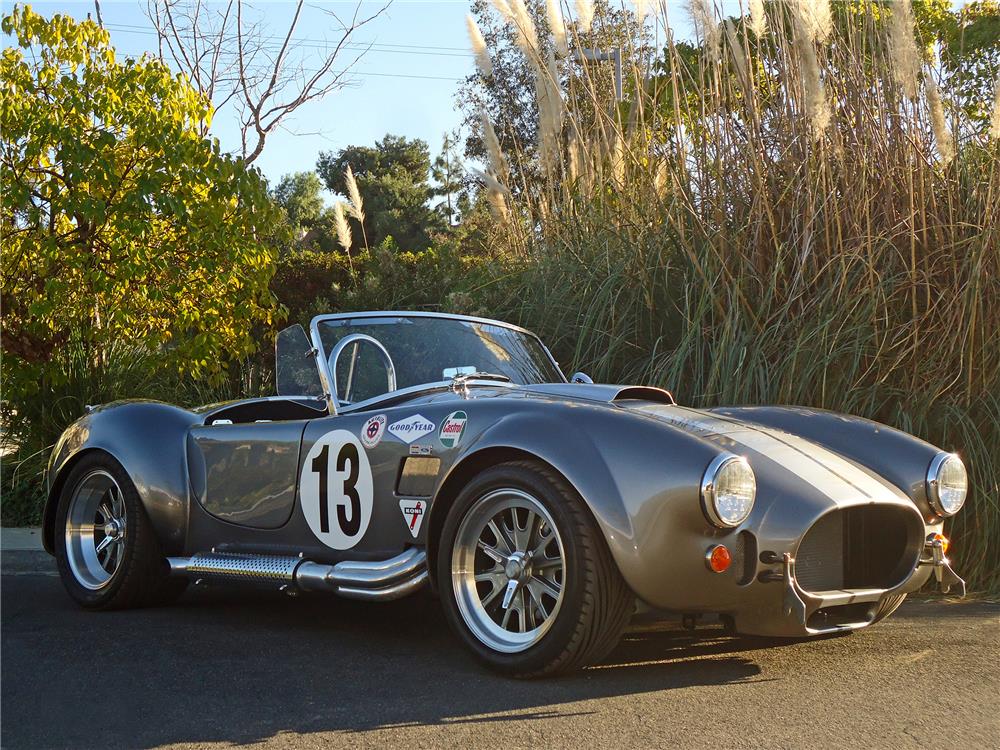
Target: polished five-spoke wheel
106	550
526	577
96	528
507	570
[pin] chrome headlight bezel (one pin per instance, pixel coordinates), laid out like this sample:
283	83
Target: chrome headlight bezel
933	484
710	495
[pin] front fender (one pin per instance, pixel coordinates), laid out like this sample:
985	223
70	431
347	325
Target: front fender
148	439
640	479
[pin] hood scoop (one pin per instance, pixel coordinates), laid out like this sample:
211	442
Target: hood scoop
603	393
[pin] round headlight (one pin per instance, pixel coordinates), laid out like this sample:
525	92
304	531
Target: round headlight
728	490
947	484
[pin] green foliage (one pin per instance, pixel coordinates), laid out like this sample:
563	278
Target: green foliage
448	172
969	40
393	178
301	197
121	223
309	283
125	371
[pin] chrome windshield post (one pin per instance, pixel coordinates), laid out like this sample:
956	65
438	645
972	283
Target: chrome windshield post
323	366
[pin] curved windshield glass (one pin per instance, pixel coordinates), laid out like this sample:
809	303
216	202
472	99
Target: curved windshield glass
431	349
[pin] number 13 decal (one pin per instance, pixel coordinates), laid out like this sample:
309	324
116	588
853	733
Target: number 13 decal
336	490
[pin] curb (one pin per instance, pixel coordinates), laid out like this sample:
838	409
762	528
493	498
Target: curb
21	553
27	562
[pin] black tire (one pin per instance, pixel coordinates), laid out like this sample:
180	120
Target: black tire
597	604
889	605
141	578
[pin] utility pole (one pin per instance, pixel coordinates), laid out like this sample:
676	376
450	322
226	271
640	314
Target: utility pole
615	56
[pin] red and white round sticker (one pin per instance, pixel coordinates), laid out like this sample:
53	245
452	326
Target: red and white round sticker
373	430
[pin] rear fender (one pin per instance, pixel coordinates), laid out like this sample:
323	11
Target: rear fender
148	439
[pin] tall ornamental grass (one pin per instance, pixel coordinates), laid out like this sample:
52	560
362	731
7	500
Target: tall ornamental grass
791	211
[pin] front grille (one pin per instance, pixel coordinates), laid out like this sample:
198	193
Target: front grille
871	546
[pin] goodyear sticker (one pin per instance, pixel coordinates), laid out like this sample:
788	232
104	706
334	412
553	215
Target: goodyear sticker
452	429
411	428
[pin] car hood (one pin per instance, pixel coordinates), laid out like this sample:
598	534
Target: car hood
779	457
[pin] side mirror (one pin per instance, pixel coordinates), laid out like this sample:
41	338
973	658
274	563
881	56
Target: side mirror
581	377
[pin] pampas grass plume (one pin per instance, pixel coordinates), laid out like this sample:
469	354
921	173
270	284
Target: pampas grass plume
558	26
942	134
817	19
584	15
706	25
906	59
527	38
343	229
758	18
995	119
493	152
356	206
483	61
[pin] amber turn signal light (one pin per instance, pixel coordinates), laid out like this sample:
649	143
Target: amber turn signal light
718	558
939	538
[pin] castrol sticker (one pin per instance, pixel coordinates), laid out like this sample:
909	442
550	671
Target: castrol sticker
453	428
373	430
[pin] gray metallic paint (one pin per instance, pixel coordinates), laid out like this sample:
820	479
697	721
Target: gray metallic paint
636	459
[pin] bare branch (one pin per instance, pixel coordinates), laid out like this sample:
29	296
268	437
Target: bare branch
231	60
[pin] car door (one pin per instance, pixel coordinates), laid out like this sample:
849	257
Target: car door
366	478
246	473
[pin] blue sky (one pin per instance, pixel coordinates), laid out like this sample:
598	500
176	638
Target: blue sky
405	85
380	99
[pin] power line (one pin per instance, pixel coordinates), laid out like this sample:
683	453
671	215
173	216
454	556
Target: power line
347	72
412	49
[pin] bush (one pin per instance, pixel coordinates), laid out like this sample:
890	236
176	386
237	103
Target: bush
311	283
77	378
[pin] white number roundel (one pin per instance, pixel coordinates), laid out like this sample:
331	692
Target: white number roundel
336	490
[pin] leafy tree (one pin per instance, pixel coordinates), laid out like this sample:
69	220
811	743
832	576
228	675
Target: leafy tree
968	39
300	195
449	174
120	222
393	178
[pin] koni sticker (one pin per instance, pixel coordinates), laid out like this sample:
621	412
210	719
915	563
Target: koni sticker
411	428
413	514
453	428
372	432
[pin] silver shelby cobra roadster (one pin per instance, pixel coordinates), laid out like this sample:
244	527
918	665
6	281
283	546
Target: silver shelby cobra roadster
406	449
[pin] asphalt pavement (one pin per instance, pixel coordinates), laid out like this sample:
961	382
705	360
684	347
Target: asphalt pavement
226	667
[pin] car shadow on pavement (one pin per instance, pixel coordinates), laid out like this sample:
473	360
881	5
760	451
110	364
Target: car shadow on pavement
240	666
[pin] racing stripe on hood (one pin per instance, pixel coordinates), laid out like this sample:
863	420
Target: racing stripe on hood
832	474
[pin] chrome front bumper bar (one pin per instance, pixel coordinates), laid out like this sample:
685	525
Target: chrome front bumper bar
797	604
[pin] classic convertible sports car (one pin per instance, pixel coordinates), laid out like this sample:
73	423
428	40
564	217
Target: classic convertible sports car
408	448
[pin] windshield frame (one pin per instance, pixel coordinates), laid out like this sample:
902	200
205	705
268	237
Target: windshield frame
326	377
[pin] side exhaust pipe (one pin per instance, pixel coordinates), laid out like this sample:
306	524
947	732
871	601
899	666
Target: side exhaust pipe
379	580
